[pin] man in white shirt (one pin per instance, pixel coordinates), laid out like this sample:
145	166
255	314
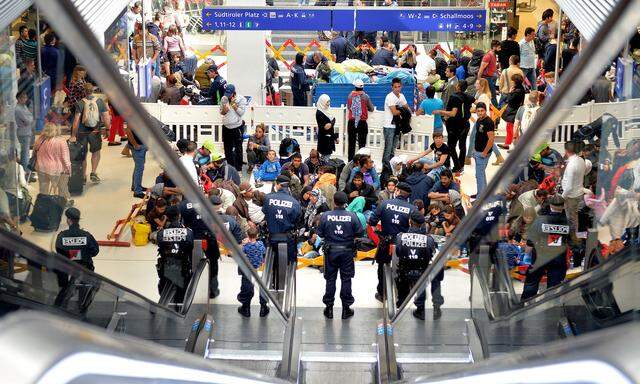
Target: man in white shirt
232	108
392	104
188	154
572	184
425	66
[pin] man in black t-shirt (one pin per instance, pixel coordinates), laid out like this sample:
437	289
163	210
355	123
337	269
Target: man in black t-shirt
485	134
440	156
457	115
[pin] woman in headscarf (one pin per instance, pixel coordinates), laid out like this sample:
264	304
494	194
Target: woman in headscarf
317	205
357	207
327	138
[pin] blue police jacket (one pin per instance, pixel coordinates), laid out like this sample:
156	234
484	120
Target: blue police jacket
414	250
393	215
340	227
282	212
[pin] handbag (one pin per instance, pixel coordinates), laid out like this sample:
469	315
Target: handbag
34	157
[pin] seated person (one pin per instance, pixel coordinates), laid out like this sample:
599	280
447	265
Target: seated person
419	181
549	156
511	250
533	171
218	169
317	205
451	220
314	162
257	148
270	169
156	217
434	218
298	168
389	191
440	190
203	154
440	156
367	168
357	187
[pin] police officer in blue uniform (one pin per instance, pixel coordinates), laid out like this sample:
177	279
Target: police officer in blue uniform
175	246
282	214
394	217
78	246
415	249
548	235
339	229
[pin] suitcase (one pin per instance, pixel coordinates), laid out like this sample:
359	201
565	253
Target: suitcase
76	152
76	180
47	212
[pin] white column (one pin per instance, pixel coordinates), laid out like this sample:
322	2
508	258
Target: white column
246	59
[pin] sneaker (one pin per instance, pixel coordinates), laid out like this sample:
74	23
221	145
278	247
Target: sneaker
467	161
264	310
114	143
70	203
328	312
379	297
139	195
94	177
244	310
346	313
418	313
437	312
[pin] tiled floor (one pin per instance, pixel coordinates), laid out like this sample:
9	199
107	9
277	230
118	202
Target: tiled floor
134	267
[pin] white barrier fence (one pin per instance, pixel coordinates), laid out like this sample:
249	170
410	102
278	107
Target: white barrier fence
199	123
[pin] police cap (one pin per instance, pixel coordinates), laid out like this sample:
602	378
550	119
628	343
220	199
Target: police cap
215	200
282	179
72	213
404	187
340	198
556	200
417	217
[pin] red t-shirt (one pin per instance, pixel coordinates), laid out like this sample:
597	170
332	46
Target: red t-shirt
492	63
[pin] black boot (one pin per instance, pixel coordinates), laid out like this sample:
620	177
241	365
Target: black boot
379	297
264	310
214	294
328	312
244	310
418	313
437	312
346	313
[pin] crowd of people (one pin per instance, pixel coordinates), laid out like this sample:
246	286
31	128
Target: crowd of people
323	205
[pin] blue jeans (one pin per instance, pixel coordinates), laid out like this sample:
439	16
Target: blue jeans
390	143
530	73
139	155
492	87
472	144
435	172
25	143
481	167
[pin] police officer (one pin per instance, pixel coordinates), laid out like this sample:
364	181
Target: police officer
282	214
175	246
415	249
339	229
548	235
192	219
394	217
78	246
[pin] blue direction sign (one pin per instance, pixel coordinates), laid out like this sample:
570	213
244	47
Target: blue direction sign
446	20
261	19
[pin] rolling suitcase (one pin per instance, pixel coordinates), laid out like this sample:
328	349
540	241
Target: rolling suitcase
76	180
47	212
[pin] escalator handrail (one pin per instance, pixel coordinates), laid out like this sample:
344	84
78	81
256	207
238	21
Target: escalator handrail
613	33
190	292
65	351
56	262
561	291
504	276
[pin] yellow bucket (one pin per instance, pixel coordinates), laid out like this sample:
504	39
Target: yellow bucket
140	231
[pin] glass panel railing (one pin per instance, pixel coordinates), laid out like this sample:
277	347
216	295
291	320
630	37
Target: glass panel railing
34	279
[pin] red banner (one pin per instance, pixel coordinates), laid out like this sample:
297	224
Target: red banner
499	4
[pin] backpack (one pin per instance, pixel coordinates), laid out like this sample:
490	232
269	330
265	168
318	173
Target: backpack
474	64
540	46
90	113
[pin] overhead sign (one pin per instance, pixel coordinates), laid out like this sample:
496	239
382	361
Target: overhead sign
315	19
444	20
266	19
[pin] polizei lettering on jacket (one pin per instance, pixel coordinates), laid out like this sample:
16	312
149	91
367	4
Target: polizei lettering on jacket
555	228
339	219
414	240
174	234
281	203
74	241
398	208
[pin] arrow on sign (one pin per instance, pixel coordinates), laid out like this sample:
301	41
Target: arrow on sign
208	14
257	24
208	24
